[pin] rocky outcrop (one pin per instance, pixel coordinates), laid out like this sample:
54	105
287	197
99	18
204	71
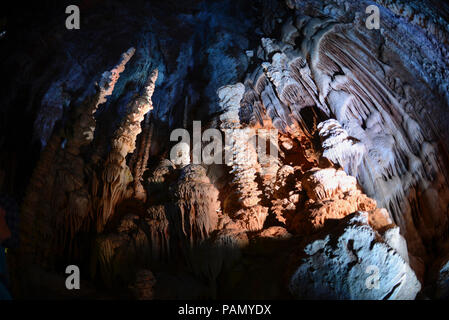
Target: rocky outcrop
353	261
333	195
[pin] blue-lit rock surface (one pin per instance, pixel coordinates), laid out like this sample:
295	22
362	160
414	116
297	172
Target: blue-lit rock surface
354	262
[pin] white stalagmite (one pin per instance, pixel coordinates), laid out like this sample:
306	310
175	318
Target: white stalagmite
242	156
116	174
242	152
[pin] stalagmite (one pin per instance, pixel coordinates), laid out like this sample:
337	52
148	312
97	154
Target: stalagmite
59	184
196	204
139	160
116	175
334	137
243	157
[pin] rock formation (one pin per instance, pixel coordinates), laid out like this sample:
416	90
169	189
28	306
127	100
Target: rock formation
116	174
243	158
63	173
334	146
195	213
333	195
338	266
339	147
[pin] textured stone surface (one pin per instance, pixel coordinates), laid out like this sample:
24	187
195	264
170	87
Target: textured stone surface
339	147
338	266
196	204
327	183
361	126
333	195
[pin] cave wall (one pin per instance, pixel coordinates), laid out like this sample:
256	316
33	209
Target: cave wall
87	155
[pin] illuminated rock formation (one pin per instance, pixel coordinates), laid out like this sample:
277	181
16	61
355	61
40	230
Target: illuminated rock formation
339	147
58	195
116	174
356	116
341	69
196	204
333	195
353	261
243	158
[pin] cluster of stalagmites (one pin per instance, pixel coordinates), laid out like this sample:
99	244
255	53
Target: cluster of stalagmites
306	202
74	190
183	222
59	203
345	124
377	134
116	174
